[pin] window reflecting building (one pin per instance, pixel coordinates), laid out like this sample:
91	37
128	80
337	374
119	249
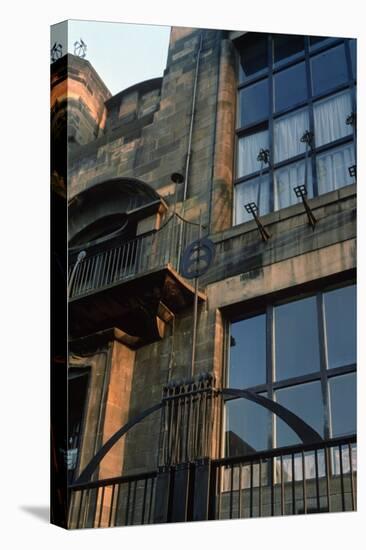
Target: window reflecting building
232	394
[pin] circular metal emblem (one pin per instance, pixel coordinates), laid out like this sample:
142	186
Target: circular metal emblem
197	258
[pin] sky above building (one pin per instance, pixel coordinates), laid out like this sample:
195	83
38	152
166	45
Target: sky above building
121	53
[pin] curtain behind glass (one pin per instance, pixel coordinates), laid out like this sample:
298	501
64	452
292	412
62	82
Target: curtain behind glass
248	149
288	177
255	190
330	118
332	168
288	131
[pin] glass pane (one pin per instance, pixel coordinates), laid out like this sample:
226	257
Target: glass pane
248	149
343	398
328	69
288	131
256	190
254	103
248	353
306	402
288	177
333	168
330	116
290	87
253	54
296	338
287	46
340	325
247	427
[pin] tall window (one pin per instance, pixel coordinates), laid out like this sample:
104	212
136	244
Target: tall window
301	354
297	102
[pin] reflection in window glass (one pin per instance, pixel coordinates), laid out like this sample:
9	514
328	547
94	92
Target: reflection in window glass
288	177
306	402
247	427
330	117
253	55
256	190
287	46
248	352
340	320
290	87
333	168
254	103
316	39
328	69
288	131
296	338
248	149
342	393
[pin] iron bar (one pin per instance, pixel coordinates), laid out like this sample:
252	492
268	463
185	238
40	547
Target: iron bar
80	508
327	473
317	480
342	478
101	506
282	487
251	489
133	501
231	491
151	498
239	490
293	483
111	505
353	500
144	502
128	502
304	481
260	488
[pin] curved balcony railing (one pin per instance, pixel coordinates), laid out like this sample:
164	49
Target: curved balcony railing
132	258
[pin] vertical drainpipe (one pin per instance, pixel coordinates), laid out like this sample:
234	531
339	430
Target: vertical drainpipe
193	109
189	146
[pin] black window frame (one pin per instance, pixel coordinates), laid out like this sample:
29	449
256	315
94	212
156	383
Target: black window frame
322	375
268	123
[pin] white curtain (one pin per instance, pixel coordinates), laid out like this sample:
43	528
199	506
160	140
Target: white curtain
332	168
255	190
330	118
288	177
288	131
248	149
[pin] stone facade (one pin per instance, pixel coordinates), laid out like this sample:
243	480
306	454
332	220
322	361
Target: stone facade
185	122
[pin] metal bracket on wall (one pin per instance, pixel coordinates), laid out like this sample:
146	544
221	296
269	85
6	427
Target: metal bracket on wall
252	208
301	193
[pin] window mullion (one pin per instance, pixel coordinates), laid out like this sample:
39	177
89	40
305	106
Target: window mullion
270	369
323	363
270	123
311	117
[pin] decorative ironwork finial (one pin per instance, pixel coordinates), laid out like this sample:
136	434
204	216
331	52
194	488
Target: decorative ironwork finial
80	48
263	156
56	52
307	138
351	119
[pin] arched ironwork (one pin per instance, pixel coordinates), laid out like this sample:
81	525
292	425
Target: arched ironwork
305	432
